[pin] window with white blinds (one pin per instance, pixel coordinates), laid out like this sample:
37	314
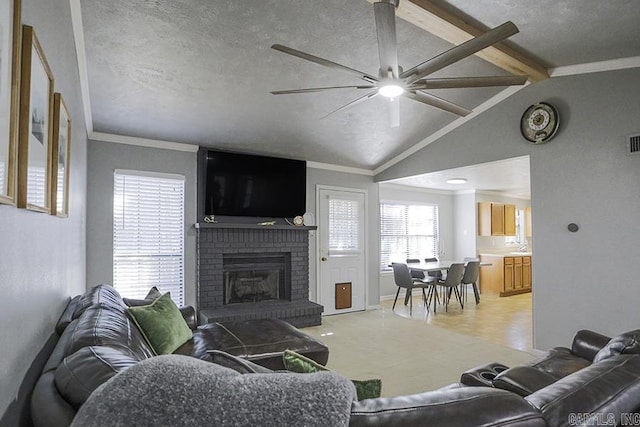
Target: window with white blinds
148	234
407	231
343	227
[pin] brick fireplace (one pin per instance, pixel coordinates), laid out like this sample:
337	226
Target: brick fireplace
246	271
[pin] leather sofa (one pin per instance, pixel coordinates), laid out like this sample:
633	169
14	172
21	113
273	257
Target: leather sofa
595	382
596	377
97	339
606	392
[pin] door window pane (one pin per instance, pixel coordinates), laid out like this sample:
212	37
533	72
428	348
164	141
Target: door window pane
343	226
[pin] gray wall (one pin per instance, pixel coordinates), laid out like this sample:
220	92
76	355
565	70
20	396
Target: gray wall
42	258
103	159
465	225
340	179
585	279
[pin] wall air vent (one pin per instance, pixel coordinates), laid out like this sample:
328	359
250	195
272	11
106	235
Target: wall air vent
633	144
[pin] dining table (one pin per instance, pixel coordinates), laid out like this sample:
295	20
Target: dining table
442	265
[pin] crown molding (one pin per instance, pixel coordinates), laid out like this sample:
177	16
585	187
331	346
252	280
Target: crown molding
502	194
143	142
338	168
401	187
596	67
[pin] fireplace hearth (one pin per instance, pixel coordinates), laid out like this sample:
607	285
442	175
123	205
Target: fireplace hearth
247	272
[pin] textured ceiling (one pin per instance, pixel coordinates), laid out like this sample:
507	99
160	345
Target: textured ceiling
200	72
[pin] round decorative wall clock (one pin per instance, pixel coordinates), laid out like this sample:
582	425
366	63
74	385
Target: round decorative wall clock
539	123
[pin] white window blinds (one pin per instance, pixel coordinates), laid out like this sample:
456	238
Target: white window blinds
343	226
148	234
407	231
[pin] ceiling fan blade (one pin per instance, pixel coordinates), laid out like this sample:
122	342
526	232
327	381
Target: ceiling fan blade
385	14
461	51
325	62
437	102
318	89
394	112
466	82
356	101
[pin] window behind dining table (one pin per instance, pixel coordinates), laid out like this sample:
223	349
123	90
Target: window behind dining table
407	231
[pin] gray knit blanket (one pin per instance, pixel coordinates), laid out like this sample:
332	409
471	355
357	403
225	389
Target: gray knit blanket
179	391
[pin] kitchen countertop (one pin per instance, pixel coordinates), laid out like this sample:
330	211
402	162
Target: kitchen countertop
504	254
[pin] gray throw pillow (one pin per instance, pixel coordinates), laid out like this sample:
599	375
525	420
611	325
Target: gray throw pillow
153	294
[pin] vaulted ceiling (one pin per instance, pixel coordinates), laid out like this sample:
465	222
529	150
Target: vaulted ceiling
201	72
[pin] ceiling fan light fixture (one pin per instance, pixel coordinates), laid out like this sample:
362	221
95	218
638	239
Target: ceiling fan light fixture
391	90
457	181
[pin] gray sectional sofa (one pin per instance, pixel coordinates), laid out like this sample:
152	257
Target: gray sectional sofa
97	340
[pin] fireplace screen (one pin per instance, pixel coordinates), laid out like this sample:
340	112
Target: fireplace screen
252	286
254	279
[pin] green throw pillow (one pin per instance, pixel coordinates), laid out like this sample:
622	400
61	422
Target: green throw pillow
162	324
294	362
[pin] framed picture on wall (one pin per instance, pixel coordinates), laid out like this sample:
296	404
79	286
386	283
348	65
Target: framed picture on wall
34	136
9	96
61	149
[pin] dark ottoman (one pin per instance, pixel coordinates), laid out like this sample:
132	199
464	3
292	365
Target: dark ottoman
261	341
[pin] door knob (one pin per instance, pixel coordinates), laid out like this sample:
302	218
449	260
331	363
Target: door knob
324	258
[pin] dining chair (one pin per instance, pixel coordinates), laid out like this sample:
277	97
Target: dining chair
416	274
403	279
435	274
470	277
451	284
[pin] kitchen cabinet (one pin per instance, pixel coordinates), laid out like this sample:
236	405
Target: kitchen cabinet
527	222
509	220
496	219
517	272
507	274
526	272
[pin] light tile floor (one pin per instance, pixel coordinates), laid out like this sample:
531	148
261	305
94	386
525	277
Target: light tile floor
425	351
501	320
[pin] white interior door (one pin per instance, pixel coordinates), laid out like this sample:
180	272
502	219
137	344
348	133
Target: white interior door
342	250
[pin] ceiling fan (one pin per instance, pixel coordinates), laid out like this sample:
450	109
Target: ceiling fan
393	82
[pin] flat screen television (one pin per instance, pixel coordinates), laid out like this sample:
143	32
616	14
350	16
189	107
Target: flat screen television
253	186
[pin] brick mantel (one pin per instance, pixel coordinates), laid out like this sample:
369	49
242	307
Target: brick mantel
251	226
214	241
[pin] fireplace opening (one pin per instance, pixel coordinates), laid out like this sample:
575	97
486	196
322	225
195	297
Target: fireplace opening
251	278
